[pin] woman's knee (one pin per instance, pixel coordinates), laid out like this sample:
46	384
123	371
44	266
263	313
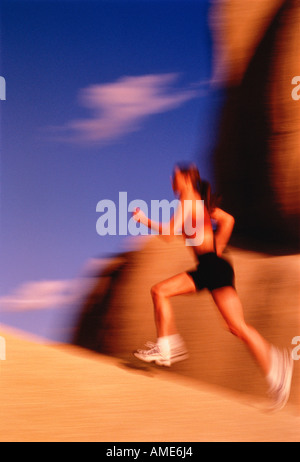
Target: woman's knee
156	291
159	290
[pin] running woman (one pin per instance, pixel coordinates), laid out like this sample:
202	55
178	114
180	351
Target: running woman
214	273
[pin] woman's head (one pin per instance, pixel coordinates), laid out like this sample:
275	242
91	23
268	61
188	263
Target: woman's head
187	175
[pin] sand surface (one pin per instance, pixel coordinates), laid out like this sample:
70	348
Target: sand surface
64	393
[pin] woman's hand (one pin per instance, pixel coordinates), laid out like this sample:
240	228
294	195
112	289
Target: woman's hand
139	216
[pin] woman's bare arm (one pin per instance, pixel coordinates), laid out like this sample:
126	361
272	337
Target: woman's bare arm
168	229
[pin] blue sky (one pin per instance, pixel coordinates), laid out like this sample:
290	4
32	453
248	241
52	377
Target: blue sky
101	97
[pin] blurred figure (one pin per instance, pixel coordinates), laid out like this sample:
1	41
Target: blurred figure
214	273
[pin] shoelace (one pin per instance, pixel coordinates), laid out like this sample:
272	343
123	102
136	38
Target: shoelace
153	348
151	344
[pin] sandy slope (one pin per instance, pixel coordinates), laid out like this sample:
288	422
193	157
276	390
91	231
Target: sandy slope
63	393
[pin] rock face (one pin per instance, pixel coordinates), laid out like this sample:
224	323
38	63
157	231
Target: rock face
118	315
257	159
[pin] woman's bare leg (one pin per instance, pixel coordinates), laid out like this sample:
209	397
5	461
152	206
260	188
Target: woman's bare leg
231	309
169	347
163	311
276	364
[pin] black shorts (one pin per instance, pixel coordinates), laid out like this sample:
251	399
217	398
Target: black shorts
212	272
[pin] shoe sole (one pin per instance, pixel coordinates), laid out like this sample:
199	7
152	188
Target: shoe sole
173	360
162	362
144	358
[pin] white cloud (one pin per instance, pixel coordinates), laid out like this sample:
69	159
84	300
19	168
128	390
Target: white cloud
119	108
38	295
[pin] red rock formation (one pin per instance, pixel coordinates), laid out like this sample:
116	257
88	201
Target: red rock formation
257	159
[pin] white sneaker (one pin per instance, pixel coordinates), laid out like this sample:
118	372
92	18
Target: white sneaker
280	391
155	354
178	348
